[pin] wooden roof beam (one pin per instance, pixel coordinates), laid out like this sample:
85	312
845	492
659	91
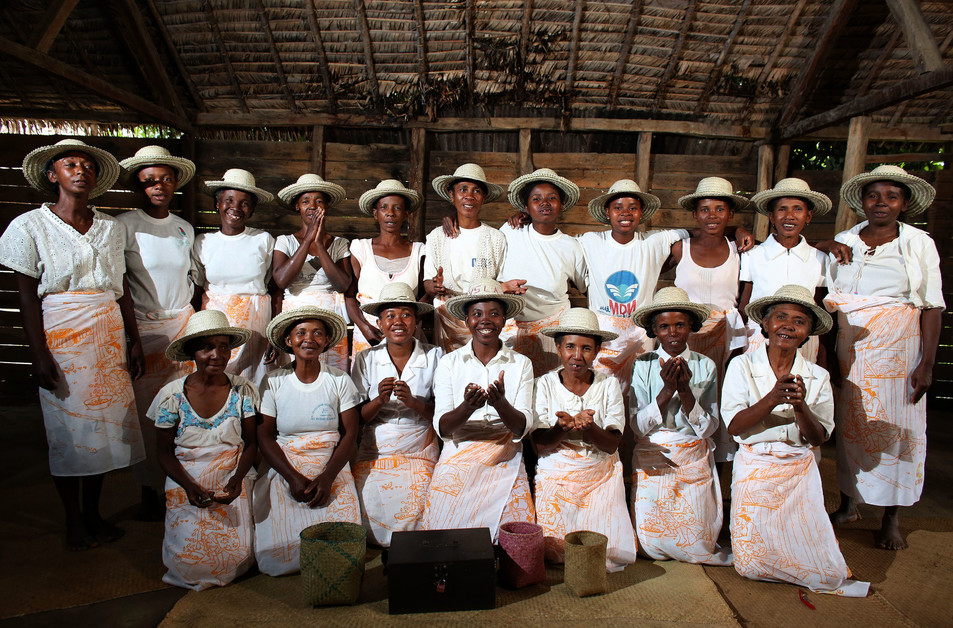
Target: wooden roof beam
368	52
634	16
322	56
918	35
282	79
874	71
672	66
715	74
51	24
574	47
468	19
174	53
420	32
773	59
33	58
229	70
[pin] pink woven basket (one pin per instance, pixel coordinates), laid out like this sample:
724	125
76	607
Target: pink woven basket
522	554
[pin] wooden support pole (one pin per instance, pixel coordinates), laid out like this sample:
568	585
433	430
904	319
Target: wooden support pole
673	60
282	79
624	52
368	43
418	178
574	46
322	56
176	58
782	159
917	34
643	161
468	19
765	176
317	150
420	33
524	45
229	70
189	210
526	151
51	24
854	164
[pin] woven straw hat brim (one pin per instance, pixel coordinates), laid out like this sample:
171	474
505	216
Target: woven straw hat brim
650	204
921	192
373	307
688	201
175	351
334	191
582	331
441	185
822	324
367	200
280	324
35	161
820	202
456	305
184	168
263	196
570	189
642	315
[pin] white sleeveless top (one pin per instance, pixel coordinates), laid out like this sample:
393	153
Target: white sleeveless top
715	287
373	278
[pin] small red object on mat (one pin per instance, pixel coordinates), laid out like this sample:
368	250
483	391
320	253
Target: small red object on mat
800	594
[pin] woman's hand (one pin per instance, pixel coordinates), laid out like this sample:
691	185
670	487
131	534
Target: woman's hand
788	389
584	419
565	420
299	487
46	370
744	240
137	361
386	388
684	377
271	355
451	228
514	286
321	488
198	496
920	380
519	220
437	289
371	333
496	393
232	490
474	396
402	391
670	373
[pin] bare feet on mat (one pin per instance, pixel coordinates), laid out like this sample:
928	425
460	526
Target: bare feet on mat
889	537
78	539
104	531
847	513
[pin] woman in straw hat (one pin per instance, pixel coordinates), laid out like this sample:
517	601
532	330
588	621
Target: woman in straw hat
234	267
780	407
483	394
540	261
889	304
310	265
399	448
67	258
205	440
676	497
387	258
474	251
580	417
158	255
307	435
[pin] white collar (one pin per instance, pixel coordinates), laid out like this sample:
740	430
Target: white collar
761	367
417	357
774	249
685	355
503	355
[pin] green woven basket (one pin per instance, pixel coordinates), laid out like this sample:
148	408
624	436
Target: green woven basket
332	563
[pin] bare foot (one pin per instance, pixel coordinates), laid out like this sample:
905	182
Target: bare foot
889	537
104	531
78	539
847	513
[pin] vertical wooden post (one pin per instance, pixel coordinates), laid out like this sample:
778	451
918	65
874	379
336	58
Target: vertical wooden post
317	150
854	164
781	161
643	160
765	180
418	175
526	151
189	210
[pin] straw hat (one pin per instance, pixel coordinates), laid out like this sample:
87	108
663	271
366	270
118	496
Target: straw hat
624	187
543	175
238	179
34	166
279	325
397	293
579	320
792	293
792	187
713	187
388	187
311	183
921	192
484	290
467	172
159	156
203	324
668	300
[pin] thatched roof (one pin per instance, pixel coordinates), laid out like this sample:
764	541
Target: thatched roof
749	64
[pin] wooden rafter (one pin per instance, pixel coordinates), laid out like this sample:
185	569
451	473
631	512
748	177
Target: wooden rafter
624	52
874	70
917	34
672	66
574	46
773	59
213	24
524	44
420	32
365	29
716	72
322	56
468	28
282	79
51	24
174	53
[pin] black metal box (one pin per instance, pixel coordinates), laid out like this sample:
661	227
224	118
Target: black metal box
430	571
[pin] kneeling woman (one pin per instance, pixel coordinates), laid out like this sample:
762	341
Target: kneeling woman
676	497
399	447
580	420
307	434
205	443
483	409
779	406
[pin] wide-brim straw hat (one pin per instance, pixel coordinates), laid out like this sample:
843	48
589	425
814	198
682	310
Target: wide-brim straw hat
466	172
397	293
671	299
34	166
792	188
158	156
238	179
543	175
921	192
624	187
203	324
579	320
388	187
279	325
485	290
311	183
713	187
792	293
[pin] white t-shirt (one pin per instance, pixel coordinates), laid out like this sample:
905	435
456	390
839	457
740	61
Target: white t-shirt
299	408
238	264
312	277
463	257
546	263
158	260
622	277
375	364
769	266
604	397
39	244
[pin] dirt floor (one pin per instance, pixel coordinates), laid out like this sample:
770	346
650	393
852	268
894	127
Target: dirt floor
120	584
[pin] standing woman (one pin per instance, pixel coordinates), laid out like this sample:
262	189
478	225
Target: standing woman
311	265
158	262
384	259
68	261
889	303
234	266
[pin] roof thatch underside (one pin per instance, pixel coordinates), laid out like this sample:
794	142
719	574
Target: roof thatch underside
732	62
